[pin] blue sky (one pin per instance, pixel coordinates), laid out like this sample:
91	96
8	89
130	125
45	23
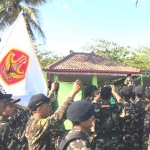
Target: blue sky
71	24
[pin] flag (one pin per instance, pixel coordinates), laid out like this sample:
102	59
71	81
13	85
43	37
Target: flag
20	71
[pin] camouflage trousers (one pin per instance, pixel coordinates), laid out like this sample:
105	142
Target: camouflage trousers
107	143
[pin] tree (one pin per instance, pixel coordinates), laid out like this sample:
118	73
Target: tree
45	57
109	50
10	9
140	58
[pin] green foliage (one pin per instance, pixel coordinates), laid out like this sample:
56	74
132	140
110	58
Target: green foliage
10	9
109	50
45	57
138	58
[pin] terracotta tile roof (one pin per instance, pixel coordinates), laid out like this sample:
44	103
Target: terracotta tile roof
90	63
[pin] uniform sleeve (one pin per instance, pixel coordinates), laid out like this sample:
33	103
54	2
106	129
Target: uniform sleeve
9	141
78	144
40	127
60	114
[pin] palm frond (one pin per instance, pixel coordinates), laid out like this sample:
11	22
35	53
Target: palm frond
34	2
10	9
31	34
6	18
32	17
2	3
33	13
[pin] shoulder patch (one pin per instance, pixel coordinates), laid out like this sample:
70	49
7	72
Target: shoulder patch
41	122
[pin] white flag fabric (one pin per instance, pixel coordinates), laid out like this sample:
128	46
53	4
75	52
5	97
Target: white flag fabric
20	71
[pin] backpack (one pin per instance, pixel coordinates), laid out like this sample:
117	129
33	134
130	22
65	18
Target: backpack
65	142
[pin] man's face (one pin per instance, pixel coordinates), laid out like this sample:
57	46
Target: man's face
1	106
46	110
88	123
9	110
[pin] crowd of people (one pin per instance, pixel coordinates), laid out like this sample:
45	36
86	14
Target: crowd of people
105	119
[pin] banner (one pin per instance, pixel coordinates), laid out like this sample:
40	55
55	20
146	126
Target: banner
20	71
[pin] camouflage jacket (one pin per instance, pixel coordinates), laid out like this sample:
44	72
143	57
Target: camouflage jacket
107	116
132	117
19	120
147	118
18	123
77	144
8	140
129	81
39	131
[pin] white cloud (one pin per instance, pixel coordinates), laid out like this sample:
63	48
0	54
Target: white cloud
65	7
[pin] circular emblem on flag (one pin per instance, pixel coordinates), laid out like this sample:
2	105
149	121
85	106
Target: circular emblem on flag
13	66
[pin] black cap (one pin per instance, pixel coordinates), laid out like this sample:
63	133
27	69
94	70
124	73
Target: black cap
10	100
80	111
5	96
105	92
37	100
127	91
88	89
147	93
129	74
139	90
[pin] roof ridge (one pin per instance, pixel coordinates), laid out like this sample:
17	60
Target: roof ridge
64	58
90	61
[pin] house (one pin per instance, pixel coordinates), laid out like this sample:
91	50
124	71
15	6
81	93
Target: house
89	67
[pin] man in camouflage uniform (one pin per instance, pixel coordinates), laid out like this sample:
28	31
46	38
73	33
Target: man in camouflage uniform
146	130
107	116
18	124
89	93
129	81
17	121
40	126
7	138
126	120
81	114
132	119
138	123
2	96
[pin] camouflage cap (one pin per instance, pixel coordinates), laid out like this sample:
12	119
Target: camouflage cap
10	101
37	100
4	96
80	111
